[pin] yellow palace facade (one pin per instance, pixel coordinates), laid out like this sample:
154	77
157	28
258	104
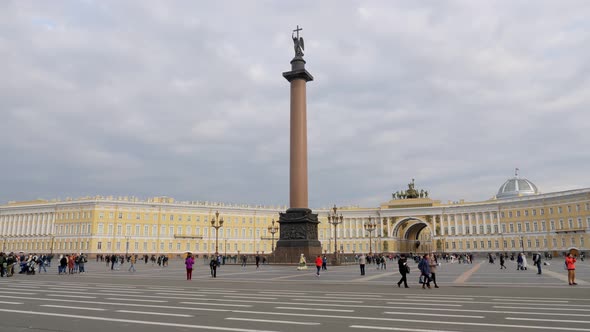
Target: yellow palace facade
518	218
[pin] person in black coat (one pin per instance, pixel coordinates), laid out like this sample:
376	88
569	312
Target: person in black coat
404	269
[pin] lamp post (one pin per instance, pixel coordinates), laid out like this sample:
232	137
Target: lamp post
273	229
52	241
335	219
370	226
216	223
127	246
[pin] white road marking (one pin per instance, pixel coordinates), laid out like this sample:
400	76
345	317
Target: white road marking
433	304
535	301
321	300
550	320
420	321
348	294
219	304
136	300
395	328
315	309
70	307
427	314
73	296
441	298
122	304
509	303
153	313
5	302
249	297
141	322
537	308
271	321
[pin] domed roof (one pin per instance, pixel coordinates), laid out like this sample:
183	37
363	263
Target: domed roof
516	187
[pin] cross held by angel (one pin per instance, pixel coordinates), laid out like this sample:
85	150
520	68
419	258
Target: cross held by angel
298	42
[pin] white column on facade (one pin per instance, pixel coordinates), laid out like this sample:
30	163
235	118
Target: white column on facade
483	223
499	224
456	218
470	223
491	216
36	227
463	223
442	225
477	223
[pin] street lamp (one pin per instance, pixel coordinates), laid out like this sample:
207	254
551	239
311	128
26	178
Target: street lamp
370	226
127	245
273	229
335	219
217	223
52	241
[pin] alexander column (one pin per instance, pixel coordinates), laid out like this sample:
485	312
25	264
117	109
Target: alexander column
299	226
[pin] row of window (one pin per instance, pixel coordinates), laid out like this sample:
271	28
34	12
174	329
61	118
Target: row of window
528	244
533	212
572	225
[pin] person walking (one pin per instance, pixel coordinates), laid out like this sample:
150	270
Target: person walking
570	265
424	267
81	264
42	264
404	269
362	262
537	262
502	261
189	262
519	262
257	261
433	262
213	266
132	261
244	260
325	263
318	265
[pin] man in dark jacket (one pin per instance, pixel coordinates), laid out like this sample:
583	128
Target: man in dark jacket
404	269
424	267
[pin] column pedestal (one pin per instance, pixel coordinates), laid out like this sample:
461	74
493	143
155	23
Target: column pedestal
299	235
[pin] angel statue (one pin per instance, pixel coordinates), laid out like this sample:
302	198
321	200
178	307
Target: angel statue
298	42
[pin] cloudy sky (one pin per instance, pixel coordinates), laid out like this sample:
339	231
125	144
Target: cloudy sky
186	98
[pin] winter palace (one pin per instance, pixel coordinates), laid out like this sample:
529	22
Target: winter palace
518	218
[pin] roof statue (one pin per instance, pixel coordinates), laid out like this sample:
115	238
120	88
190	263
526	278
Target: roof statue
298	42
411	192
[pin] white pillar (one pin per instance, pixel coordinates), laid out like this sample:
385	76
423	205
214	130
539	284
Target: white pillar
442	225
477	223
500	225
491	217
463	223
456	224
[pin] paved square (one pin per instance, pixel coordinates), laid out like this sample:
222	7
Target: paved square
476	297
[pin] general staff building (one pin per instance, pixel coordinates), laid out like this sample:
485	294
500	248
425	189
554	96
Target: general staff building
517	218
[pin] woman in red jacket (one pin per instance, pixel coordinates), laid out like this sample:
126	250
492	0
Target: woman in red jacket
570	263
318	265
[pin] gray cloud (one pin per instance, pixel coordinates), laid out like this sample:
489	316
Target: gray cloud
187	99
